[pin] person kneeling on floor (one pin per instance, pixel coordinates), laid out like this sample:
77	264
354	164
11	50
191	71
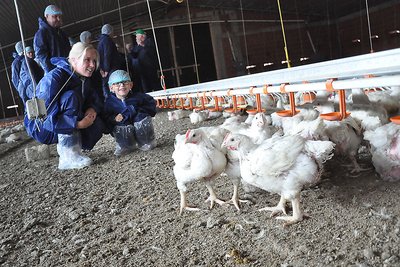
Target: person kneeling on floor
72	106
129	114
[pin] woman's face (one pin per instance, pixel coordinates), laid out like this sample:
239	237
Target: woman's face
86	64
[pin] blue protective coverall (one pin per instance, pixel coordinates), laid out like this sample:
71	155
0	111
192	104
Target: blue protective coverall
49	42
110	59
15	70
67	108
134	108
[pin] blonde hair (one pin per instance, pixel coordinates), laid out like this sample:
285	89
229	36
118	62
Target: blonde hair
79	49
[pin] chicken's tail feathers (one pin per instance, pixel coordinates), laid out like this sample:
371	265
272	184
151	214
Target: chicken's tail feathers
321	151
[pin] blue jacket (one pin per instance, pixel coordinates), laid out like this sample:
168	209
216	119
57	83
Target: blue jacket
134	108
25	89
15	70
62	116
109	56
49	42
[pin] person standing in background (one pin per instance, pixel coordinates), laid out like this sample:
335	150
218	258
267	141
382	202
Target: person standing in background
109	56
16	64
50	41
86	37
26	83
144	61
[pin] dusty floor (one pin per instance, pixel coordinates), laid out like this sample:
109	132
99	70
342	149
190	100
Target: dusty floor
124	212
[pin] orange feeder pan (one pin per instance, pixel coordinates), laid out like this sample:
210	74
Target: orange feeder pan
215	109
254	111
395	119
334	116
287	113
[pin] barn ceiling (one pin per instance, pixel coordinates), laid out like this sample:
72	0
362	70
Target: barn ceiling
82	15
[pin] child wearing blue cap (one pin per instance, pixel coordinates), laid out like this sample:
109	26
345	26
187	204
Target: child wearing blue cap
129	115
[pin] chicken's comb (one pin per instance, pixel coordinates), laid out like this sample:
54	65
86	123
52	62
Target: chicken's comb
187	134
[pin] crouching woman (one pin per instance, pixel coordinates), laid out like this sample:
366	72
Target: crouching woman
72	107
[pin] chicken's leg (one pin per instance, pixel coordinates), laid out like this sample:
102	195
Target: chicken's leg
281	207
184	204
297	212
235	197
213	197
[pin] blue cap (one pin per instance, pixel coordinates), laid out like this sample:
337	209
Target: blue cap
19	48
106	29
118	76
52	10
28	49
85	37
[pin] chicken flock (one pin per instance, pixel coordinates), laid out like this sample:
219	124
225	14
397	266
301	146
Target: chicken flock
283	155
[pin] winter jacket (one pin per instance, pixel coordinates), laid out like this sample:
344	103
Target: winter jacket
134	108
49	42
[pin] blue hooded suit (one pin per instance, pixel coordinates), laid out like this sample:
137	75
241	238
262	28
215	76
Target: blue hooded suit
66	102
49	42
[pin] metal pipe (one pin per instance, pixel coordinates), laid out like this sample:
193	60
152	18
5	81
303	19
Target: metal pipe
379	63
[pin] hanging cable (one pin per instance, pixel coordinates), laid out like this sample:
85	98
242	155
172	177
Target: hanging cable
244	34
9	84
284	35
191	35
123	36
369	27
162	80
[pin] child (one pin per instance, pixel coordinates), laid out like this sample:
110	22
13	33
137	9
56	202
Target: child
129	115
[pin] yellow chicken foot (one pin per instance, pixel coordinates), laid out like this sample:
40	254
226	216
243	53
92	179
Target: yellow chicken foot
184	205
280	208
213	197
297	213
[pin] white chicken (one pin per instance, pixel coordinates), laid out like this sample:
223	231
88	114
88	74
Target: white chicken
282	165
198	116
197	159
177	114
385	150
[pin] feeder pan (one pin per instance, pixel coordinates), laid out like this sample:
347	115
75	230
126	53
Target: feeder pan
334	116
254	111
286	113
395	119
231	110
215	109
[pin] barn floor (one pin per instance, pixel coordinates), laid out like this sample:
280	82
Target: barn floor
124	212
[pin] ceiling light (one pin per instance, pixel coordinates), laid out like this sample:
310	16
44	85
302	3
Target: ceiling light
374	36
14	106
356	41
250	67
304	58
268	64
285	61
394	32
